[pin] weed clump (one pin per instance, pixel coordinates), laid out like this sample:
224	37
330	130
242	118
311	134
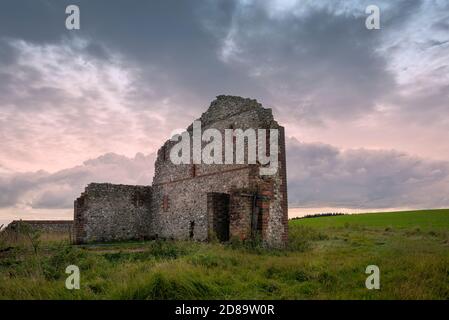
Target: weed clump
169	285
301	238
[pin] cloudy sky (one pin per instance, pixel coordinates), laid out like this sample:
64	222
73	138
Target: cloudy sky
366	111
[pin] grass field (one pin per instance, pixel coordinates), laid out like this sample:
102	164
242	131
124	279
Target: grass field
326	259
423	219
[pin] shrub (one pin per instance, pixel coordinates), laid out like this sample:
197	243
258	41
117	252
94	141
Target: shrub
31	234
166	249
301	238
55	265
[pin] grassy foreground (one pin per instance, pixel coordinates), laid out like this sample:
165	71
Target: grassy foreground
326	259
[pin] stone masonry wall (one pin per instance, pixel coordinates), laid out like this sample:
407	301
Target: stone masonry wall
187	202
45	226
108	212
186	186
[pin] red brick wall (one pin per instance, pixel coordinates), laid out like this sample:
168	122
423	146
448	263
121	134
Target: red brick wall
240	208
283	187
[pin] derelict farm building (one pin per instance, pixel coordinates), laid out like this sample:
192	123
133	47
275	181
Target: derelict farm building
196	201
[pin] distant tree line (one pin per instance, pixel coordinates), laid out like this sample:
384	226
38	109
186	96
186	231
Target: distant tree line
317	215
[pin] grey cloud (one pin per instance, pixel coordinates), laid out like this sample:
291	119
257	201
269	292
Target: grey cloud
23	85
63	90
12	186
58	190
442	25
38	20
422	97
322	175
428	104
7	54
317	66
436	43
318	175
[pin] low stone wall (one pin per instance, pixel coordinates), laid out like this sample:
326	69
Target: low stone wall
111	212
45	226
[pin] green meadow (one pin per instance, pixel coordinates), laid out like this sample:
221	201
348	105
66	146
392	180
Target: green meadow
326	259
423	219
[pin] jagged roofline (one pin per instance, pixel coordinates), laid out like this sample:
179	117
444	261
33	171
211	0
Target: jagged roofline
95	184
235	105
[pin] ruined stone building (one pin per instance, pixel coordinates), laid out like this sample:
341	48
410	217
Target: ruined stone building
195	201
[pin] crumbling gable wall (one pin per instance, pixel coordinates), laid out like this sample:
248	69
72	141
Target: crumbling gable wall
183	194
108	212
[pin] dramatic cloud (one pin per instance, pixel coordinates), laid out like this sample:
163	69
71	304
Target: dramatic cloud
322	175
418	55
308	61
319	175
42	190
137	71
61	101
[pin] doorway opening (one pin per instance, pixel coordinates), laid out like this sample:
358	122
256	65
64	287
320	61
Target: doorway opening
218	212
191	230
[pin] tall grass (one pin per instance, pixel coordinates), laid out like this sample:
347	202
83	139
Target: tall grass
319	263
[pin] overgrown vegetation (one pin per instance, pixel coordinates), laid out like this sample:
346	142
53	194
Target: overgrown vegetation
326	259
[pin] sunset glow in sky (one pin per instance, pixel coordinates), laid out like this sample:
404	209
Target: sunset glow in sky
366	112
